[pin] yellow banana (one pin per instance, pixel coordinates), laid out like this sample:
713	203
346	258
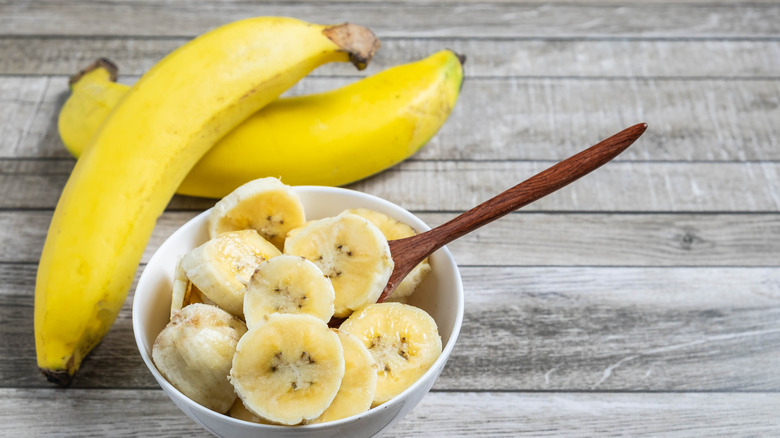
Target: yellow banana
332	138
142	152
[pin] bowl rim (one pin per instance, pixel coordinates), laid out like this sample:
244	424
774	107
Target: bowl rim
436	367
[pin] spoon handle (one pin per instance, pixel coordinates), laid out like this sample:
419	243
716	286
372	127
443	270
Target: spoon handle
410	251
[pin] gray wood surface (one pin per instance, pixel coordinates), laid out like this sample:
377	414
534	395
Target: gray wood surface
643	300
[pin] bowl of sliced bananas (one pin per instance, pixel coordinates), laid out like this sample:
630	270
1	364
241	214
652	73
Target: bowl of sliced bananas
259	317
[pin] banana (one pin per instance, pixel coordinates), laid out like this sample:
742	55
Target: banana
221	268
143	151
288	369
265	204
403	339
183	292
392	230
398	110
352	252
194	352
94	93
356	392
288	284
239	411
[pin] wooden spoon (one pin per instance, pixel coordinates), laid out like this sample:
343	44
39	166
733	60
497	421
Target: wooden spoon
410	251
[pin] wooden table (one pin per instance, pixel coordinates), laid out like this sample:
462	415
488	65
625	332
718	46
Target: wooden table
642	300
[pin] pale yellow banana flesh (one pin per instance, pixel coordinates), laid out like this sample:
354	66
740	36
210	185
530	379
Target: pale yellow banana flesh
352	252
265	204
239	411
142	153
404	341
222	268
288	369
288	284
399	110
194	352
184	293
356	392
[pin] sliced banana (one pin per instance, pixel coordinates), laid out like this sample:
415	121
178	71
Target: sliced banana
356	392
295	230
266	205
288	284
352	252
184	292
194	352
404	340
288	369
222	267
394	229
239	411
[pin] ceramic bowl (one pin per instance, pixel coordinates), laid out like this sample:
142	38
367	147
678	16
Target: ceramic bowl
441	295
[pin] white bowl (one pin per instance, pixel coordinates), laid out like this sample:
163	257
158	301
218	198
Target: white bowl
441	295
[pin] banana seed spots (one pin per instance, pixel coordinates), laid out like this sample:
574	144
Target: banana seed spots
292	369
402	349
276	361
344	250
306	357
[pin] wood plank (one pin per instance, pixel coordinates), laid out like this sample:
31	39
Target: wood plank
530	239
529	329
459	185
512	118
564	20
486	57
150	414
577	415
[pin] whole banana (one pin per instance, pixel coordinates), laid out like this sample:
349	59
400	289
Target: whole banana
332	138
141	154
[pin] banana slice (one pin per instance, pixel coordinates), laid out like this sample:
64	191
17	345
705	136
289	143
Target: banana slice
222	267
194	352
359	383
288	284
239	411
295	230
266	205
394	229
404	341
352	252
289	369
184	292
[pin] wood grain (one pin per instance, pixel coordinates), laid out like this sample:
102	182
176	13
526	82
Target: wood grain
492	57
472	20
455	186
535	239
513	118
151	414
529	329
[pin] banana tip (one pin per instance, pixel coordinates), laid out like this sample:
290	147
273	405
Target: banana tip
104	63
60	377
461	58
